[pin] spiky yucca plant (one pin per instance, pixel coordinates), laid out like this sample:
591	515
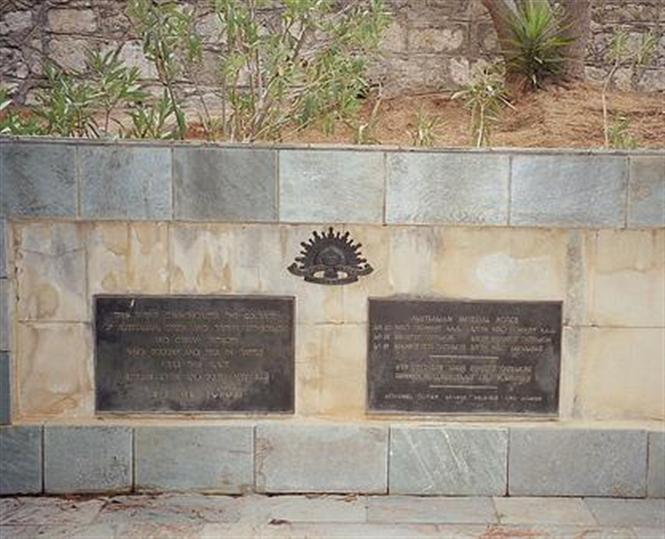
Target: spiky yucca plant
536	48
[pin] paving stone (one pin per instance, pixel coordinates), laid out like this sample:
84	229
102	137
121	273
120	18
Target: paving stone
543	511
5	387
168	509
204	459
341	530
225	184
87	459
568	190
50	511
448	461
577	462
656	465
323	508
125	182
649	533
628	513
432	510
321	186
453	188
20	460
321	458
37	180
646	191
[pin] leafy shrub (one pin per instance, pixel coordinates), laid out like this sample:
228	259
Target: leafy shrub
536	48
619	135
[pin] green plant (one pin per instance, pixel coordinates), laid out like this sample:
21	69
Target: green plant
535	49
12	122
152	120
308	66
425	133
621	53
114	84
619	135
364	132
485	96
68	104
169	42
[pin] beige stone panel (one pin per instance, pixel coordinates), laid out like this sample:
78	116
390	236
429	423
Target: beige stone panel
54	369
411	257
569	373
50	272
126	258
500	263
375	248
249	259
622	373
201	259
626	278
309	348
343	371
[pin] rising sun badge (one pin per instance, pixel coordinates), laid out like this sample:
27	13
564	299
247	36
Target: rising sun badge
330	258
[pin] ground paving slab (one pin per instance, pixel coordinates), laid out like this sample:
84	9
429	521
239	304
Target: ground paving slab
195	516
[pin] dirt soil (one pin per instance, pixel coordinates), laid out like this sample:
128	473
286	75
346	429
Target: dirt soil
554	118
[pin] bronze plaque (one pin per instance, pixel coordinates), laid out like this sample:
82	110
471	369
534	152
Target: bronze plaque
464	357
194	354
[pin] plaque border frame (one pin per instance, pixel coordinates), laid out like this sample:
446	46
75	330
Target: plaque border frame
193	413
372	413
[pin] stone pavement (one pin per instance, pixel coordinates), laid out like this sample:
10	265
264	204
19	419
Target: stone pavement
198	516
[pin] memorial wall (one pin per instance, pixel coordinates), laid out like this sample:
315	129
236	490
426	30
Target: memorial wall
315	296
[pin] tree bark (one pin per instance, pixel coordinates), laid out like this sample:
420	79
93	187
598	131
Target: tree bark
577	24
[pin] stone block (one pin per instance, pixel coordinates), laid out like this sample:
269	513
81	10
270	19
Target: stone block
577	462
20	460
202	459
628	513
51	272
5	318
321	458
656	465
448	461
543	511
50	388
258	510
125	182
498	263
4	243
646	191
451	188
322	186
624	278
128	257
72	21
225	184
568	190
87	459
414	509
5	388
37	180
606	388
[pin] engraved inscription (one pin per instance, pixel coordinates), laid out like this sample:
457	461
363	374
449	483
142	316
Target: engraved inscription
194	354
464	356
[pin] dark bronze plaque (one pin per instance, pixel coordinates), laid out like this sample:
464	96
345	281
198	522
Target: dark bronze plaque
489	357
194	354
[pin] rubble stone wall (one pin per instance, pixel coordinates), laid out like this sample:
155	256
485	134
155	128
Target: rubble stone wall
431	45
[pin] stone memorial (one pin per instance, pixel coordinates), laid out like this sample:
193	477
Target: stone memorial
194	354
476	357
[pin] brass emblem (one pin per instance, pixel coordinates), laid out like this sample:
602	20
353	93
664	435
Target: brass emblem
330	258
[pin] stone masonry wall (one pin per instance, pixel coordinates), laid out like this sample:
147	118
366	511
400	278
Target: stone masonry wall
431	44
585	228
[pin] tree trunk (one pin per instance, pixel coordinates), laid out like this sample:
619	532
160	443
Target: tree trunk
501	12
577	24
